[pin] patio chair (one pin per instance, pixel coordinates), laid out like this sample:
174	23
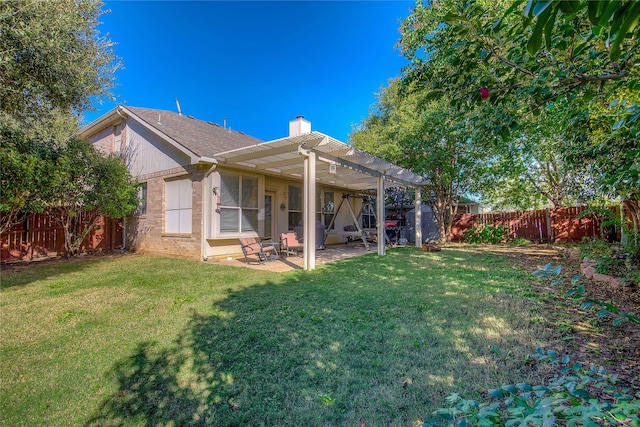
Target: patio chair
289	243
264	251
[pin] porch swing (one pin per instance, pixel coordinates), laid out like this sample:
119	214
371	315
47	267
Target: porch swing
354	231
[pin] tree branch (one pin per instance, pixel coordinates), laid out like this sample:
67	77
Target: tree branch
611	76
514	65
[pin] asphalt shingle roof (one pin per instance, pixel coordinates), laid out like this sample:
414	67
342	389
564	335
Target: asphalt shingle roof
202	138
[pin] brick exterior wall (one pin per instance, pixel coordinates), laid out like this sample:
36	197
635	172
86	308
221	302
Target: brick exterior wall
146	233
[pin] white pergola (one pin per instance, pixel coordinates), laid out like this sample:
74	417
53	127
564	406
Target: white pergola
316	158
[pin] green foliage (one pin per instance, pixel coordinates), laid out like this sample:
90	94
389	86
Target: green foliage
562	117
577	396
426	136
54	61
619	18
26	173
577	291
86	181
521	241
487	234
594	248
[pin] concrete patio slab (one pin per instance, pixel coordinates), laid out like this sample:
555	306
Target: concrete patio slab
292	262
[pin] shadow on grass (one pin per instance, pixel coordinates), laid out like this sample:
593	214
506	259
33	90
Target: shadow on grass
19	274
358	339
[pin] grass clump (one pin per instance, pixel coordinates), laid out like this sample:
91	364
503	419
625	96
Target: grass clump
140	340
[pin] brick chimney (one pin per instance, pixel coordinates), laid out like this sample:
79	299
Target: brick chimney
299	126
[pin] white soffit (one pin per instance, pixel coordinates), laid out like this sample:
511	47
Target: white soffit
355	169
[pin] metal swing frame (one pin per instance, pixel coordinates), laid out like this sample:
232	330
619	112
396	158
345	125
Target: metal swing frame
366	201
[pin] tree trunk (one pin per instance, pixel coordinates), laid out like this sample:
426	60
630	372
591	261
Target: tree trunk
633	208
439	214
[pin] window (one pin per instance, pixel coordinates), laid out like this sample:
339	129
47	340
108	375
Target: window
325	207
295	206
238	203
142	200
177	205
368	213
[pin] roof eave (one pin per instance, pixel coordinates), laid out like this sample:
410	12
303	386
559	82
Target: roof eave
194	158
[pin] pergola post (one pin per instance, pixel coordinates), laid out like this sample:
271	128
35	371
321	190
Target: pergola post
309	209
381	216
418	209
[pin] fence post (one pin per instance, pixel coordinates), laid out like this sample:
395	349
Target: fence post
547	214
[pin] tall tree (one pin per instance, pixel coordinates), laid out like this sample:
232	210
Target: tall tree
87	185
528	170
26	172
408	129
515	59
54	61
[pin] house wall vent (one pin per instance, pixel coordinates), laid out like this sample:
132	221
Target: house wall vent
299	126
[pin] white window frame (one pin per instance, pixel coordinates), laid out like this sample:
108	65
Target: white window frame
300	211
141	209
178	206
325	216
370	215
220	207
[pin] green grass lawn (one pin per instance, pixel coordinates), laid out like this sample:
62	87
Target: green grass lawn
139	340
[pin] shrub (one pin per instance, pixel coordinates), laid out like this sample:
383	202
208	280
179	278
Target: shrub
521	241
488	234
576	396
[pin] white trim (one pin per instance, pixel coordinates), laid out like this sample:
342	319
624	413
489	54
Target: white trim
418	220
382	232
309	208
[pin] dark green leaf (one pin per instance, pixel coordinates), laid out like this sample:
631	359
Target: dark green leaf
619	320
452	17
603	312
524	387
495	392
620	123
535	42
509	388
528	7
496	26
569	6
595	9
548	28
628	23
587	305
540	6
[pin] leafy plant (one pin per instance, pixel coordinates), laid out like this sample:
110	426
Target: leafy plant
488	234
521	241
576	290
594	248
577	396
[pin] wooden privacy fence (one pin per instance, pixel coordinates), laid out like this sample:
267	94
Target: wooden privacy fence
545	225
39	235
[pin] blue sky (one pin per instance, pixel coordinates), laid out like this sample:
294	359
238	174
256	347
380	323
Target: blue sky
259	64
